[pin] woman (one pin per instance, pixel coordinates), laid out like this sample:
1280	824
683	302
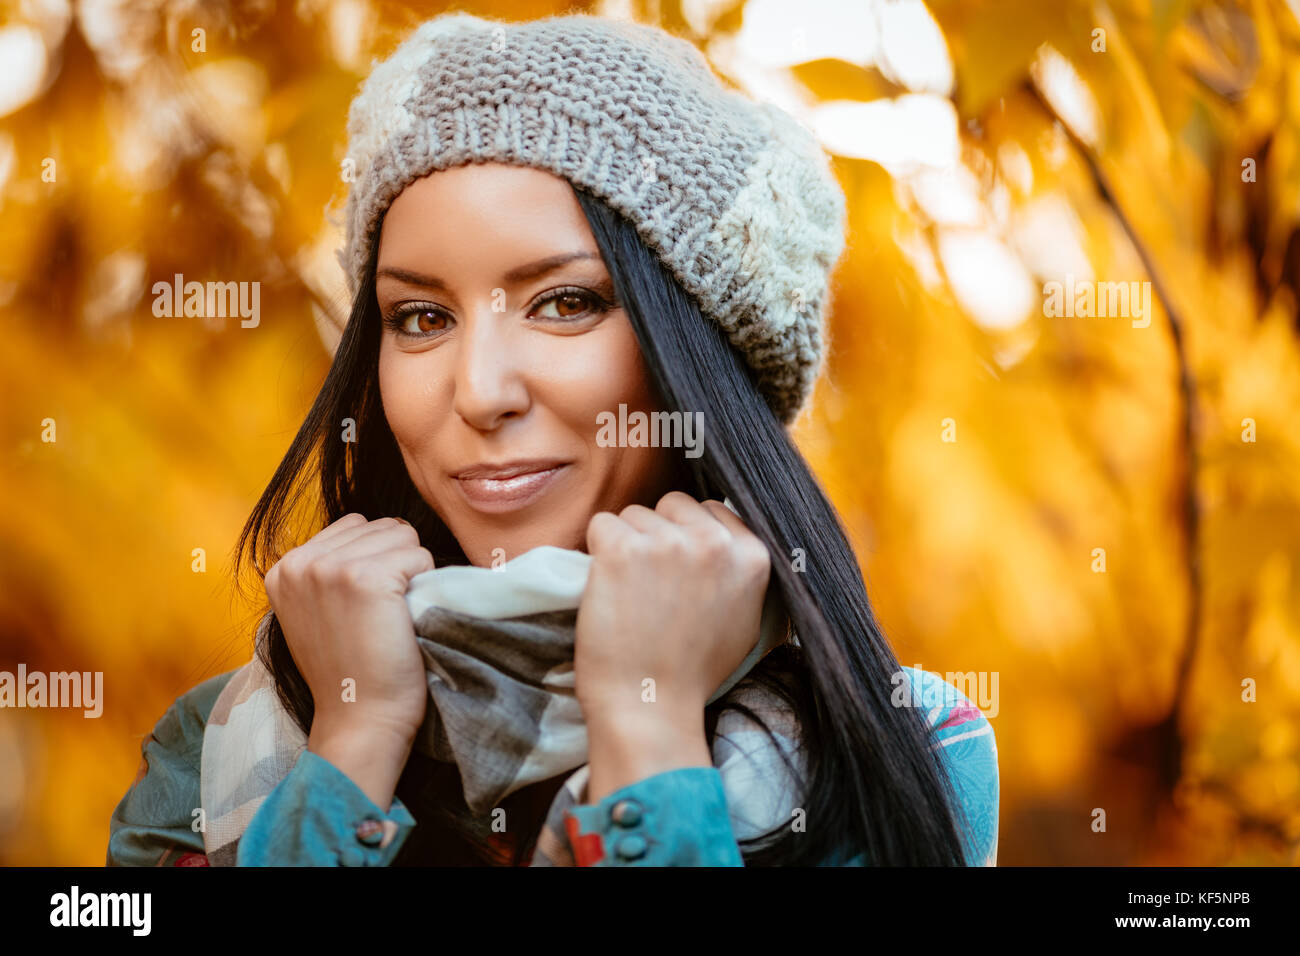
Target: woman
554	223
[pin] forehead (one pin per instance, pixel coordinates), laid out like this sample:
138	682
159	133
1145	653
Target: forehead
479	210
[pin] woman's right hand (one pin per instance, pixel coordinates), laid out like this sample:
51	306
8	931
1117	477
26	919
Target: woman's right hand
340	599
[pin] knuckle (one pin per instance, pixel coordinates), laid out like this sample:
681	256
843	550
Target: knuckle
355	575
673	547
675	498
599	529
313	573
717	537
755	550
710	544
756	563
322	572
632	548
633	509
287	568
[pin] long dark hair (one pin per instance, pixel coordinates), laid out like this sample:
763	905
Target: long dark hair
873	786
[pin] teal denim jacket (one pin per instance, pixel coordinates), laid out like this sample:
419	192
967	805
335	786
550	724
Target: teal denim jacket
317	816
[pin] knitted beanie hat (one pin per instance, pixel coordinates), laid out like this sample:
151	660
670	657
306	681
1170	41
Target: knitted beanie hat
735	197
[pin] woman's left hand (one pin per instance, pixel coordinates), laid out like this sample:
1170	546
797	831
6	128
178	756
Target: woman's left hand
672	605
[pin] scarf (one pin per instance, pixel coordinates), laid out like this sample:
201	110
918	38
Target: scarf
497	645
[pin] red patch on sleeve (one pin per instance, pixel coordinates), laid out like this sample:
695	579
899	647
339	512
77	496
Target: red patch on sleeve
191	859
962	713
588	848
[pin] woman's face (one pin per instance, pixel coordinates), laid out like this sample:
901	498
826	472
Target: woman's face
502	343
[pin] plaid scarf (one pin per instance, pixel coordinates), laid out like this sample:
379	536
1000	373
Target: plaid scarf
498	653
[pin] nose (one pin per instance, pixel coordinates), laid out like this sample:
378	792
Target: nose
489	382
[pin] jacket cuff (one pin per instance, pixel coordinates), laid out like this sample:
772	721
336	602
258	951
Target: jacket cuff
675	818
317	816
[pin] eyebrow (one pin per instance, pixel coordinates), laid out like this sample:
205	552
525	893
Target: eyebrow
520	274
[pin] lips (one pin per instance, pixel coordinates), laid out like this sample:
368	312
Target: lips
508	486
508	469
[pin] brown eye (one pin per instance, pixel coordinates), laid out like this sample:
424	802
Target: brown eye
567	305
426	322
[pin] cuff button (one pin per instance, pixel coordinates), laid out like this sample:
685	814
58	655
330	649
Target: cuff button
370	831
626	813
631	847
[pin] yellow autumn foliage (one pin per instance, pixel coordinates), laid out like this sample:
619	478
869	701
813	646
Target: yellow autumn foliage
1102	510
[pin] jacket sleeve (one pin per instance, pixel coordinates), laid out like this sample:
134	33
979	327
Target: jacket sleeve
675	818
157	822
316	815
965	742
694	816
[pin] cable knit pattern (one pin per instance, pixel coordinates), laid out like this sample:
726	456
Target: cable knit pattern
736	198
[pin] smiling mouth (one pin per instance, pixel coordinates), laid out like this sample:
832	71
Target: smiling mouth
508	492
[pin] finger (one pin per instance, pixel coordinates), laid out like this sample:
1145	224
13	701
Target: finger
405	561
349	522
720	512
681	508
739	530
644	520
606	530
323	544
376	538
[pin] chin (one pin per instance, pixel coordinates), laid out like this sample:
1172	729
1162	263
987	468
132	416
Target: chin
482	543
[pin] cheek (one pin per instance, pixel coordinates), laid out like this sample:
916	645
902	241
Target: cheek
595	380
596	373
408	390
